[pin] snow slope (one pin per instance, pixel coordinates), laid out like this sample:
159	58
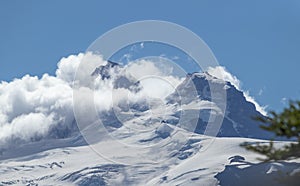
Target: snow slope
159	154
201	161
151	142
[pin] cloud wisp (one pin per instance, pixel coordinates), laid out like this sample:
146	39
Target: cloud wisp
221	72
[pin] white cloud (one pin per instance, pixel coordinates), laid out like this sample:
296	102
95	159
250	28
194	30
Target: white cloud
222	73
261	109
32	106
143	68
157	79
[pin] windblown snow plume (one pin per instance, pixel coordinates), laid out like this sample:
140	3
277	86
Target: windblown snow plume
222	73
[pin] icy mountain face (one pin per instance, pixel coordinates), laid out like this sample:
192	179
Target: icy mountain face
222	163
120	79
194	90
104	70
116	74
144	142
238	119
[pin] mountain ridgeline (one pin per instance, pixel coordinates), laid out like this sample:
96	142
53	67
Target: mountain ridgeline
239	113
238	117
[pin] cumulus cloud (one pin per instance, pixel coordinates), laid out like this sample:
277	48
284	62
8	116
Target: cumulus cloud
222	73
157	79
31	107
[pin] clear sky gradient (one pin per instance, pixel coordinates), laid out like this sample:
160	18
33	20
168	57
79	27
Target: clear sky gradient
258	41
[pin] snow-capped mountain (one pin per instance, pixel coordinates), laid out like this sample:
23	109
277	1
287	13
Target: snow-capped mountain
239	115
238	118
200	161
145	142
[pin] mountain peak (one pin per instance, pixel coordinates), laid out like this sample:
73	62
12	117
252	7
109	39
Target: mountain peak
104	70
239	112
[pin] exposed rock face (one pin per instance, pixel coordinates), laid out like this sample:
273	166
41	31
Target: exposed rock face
239	114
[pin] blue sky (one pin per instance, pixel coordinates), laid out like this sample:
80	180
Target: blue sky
258	41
